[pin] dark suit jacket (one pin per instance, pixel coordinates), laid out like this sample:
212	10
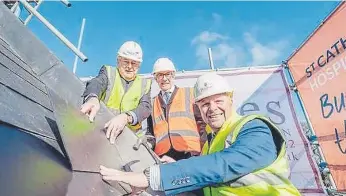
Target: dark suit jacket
99	84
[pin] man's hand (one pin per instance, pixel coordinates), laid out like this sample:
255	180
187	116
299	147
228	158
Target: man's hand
115	126
167	159
132	178
90	108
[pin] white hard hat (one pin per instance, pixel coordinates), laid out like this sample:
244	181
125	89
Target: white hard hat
210	84
163	64
131	50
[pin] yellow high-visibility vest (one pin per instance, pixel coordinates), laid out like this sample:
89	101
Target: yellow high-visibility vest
120	101
270	181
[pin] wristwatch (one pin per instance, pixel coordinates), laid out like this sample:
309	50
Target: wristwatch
147	174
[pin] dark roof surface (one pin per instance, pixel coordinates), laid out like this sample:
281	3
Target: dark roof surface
42	134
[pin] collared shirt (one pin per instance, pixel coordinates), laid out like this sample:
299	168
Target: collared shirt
169	91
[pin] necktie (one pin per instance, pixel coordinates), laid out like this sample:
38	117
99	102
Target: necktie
166	97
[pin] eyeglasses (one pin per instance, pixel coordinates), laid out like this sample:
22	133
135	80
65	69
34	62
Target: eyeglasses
168	75
126	63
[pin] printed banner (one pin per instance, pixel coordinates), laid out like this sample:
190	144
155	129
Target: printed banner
264	91
319	71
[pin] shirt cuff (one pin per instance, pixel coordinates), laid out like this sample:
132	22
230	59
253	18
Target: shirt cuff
155	178
134	118
89	96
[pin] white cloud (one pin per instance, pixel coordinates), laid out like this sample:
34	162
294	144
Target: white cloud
223	53
227	53
207	37
262	54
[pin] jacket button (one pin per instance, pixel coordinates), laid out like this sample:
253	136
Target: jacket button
187	179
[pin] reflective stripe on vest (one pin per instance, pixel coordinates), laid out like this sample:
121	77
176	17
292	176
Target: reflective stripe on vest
180	130
120	101
272	180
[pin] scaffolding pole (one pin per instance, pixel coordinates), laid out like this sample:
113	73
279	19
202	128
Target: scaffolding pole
79	45
14	6
211	63
66	2
54	30
31	15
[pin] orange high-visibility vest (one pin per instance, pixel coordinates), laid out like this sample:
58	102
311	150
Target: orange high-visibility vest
180	129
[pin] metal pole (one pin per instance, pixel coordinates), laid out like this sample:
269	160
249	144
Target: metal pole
30	16
14	6
79	45
310	127
55	31
66	2
211	63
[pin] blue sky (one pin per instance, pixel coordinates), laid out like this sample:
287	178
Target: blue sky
239	33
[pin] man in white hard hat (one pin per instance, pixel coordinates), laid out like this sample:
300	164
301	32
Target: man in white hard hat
244	155
122	90
177	125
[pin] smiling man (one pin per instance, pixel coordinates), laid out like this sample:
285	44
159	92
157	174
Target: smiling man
244	155
177	123
122	90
